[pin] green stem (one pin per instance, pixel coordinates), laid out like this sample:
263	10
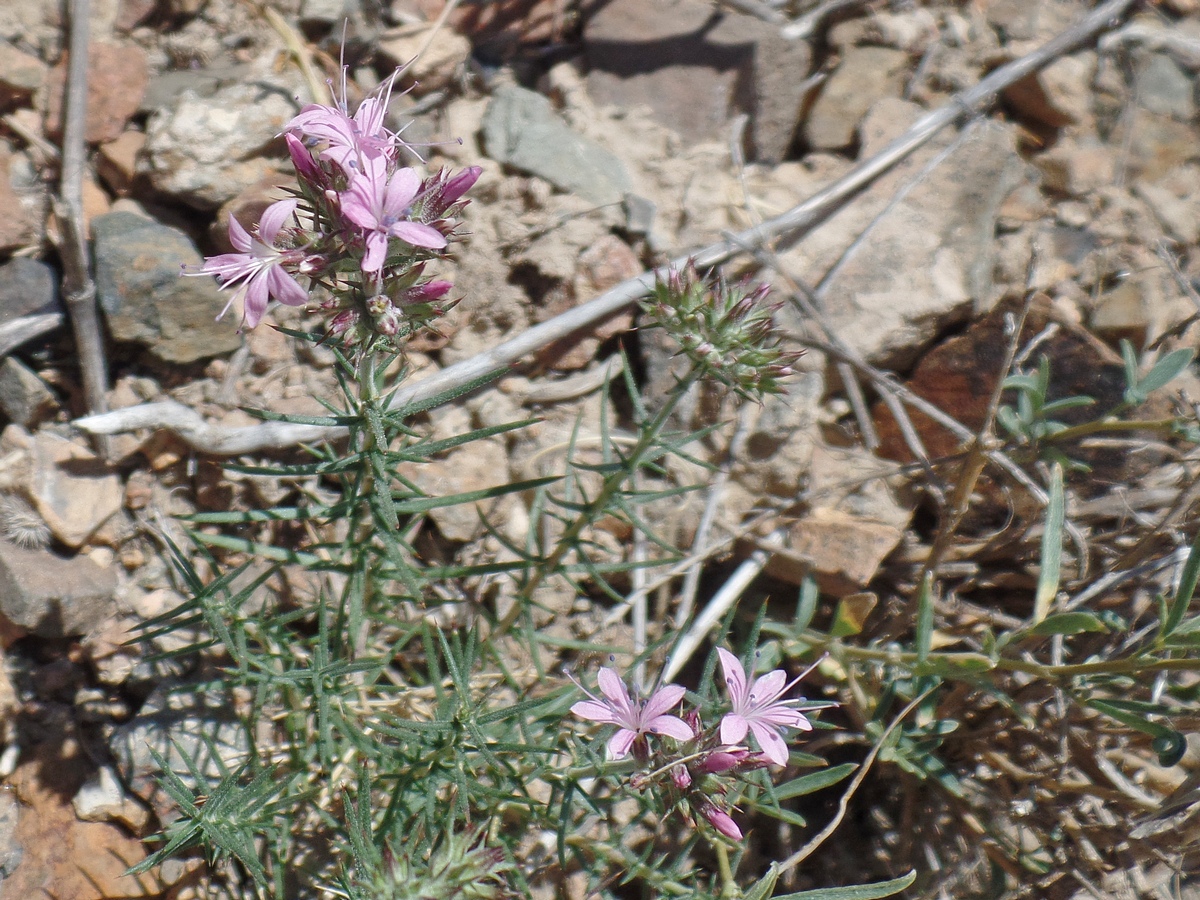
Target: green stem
612	484
1004	664
1101	426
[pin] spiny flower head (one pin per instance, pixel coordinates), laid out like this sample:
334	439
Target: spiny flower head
727	330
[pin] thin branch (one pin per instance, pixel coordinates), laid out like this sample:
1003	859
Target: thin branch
790	226
78	287
844	804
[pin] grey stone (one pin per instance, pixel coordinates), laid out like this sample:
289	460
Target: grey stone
10	848
864	75
522	130
145	300
24	397
1163	87
51	596
327	12
27	287
206	150
178	721
167	88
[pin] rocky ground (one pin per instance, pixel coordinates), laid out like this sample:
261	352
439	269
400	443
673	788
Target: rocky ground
612	136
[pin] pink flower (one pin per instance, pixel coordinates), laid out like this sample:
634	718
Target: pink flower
758	709
378	203
633	718
257	268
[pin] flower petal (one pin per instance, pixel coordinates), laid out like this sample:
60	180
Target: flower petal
401	188
733	728
255	303
783	715
419	235
664	698
767	688
735	677
238	236
376	252
619	743
773	746
273	218
284	288
615	692
671	726
594	711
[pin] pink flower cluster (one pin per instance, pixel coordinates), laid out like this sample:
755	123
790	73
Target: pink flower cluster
362	227
697	759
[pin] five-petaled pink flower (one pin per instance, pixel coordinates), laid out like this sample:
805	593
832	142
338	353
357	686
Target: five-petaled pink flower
758	709
378	203
256	268
634	718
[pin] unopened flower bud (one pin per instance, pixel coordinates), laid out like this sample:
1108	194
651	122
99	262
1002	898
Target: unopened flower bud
682	777
343	321
722	821
722	761
459	184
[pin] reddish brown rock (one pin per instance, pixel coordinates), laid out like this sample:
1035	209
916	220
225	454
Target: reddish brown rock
959	375
842	551
117	79
60	854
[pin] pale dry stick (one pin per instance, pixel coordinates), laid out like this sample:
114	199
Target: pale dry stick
19	331
858	403
1188	497
637	616
758	9
1185	48
792	225
78	287
817	295
859	777
722	601
48	152
808	23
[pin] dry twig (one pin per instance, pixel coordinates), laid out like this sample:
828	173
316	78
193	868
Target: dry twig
78	287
